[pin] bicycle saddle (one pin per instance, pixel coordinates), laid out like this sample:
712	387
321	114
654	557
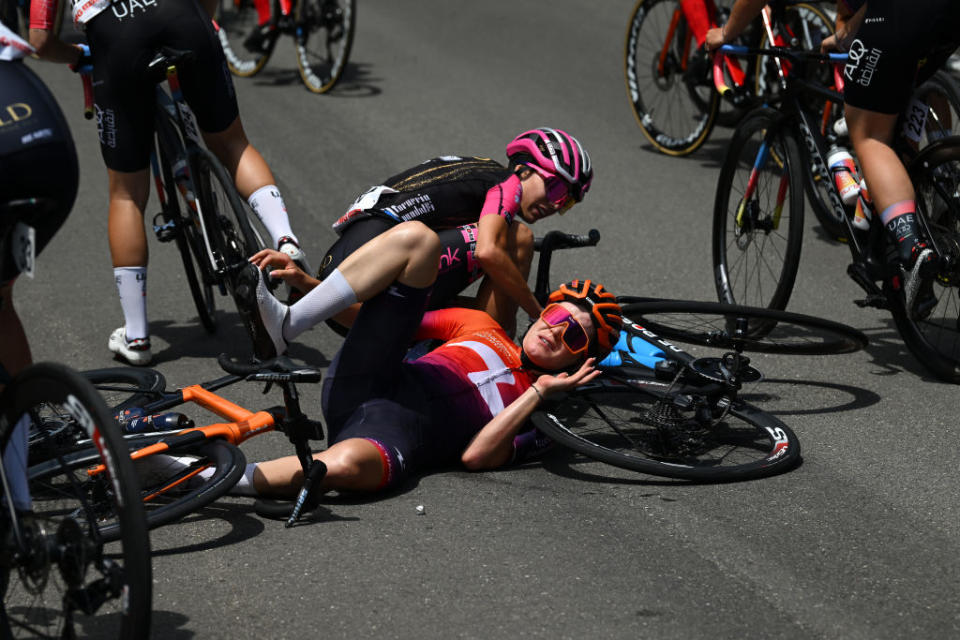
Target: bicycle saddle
166	57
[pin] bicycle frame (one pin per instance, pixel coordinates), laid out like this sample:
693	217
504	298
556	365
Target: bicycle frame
178	144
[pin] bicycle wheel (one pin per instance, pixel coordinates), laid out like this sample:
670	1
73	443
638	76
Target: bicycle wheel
758	214
931	329
237	20
63	580
668	79
801	26
648	432
225	216
125	387
171	486
324	41
731	326
940	99
179	212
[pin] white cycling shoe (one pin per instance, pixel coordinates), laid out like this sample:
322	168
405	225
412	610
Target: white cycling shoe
136	352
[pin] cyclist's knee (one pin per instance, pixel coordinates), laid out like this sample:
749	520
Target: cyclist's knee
864	124
417	238
354	464
132	187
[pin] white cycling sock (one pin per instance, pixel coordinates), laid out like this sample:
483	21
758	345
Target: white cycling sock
268	204
132	287
15	464
330	297
244	486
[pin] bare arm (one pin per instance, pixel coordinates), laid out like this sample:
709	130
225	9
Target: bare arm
51	48
743	12
493	256
492	447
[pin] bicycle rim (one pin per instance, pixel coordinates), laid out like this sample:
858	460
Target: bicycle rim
629	428
727	326
171	486
125	387
673	102
758	215
65	521
238	19
324	41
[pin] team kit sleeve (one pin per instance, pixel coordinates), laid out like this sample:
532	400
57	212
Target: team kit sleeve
503	199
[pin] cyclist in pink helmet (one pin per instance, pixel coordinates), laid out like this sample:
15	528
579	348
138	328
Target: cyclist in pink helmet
477	206
554	153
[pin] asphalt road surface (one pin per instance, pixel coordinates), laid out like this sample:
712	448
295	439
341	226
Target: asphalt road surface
860	541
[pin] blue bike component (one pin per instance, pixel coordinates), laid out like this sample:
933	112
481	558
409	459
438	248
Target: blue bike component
632	349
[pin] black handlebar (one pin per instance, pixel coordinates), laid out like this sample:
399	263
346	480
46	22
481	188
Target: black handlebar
551	242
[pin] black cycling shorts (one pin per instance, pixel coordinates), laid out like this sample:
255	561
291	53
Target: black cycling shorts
368	393
37	160
123	39
893	41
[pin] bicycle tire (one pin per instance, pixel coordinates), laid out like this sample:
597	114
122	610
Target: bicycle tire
162	502
65	514
632	429
177	210
943	86
757	329
333	22
665	102
756	244
933	334
125	387
237	19
225	216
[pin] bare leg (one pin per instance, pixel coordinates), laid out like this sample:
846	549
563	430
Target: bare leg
14	348
353	464
243	162
128	199
872	136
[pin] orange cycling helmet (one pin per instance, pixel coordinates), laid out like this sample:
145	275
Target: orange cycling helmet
602	307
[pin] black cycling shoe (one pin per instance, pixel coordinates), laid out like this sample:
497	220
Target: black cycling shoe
254	301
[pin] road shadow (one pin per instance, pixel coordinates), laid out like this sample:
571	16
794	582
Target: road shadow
191	340
243	527
357	80
565	462
859	398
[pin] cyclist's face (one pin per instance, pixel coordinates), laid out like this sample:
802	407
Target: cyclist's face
544	345
543	196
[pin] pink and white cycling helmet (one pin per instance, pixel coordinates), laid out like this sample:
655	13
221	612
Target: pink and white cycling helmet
556	152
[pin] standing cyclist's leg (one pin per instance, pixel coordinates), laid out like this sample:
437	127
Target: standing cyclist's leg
208	87
124	103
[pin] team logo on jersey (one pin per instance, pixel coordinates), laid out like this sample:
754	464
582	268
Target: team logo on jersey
14	113
862	64
128	8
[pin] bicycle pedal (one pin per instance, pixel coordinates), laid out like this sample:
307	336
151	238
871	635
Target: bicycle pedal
167	231
876	300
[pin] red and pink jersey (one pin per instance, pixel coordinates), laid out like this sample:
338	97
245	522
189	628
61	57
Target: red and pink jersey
477	371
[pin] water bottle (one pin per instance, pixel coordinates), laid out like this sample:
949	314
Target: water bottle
157	422
181	175
844	174
862	215
840	127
